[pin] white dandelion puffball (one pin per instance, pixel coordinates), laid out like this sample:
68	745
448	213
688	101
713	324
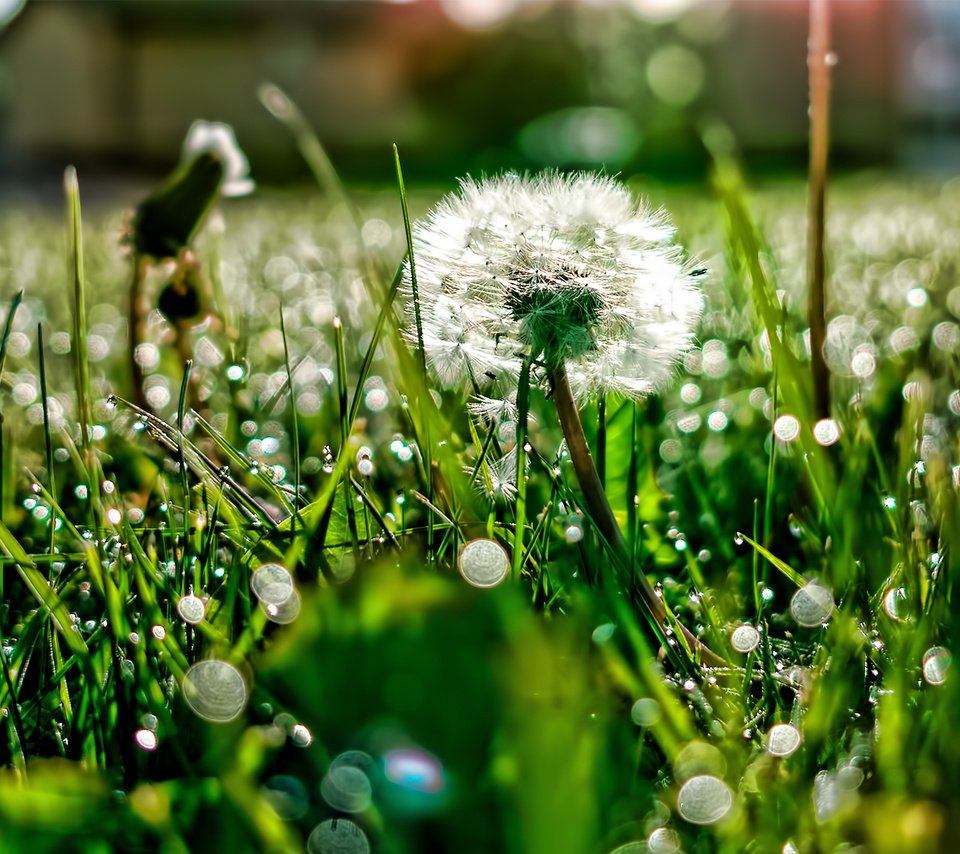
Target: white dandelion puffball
218	139
570	269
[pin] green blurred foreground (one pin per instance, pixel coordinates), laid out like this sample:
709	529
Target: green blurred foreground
392	707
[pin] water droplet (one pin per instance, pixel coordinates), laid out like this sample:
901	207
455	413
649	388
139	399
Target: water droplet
337	836
698	758
214	690
147	739
890	502
159	632
786	428
826	432
346	788
272	584
287	795
300	735
811	605
573	533
484	563
603	633
646	712
704	800
663	840
936	663
191	609
744	638
783	740
738	540
284	613
894	603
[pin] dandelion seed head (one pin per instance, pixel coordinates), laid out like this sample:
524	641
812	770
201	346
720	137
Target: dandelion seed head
567	268
218	139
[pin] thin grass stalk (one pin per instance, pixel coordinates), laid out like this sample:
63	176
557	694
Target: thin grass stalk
75	238
602	439
345	427
520	520
427	450
818	65
294	426
48	443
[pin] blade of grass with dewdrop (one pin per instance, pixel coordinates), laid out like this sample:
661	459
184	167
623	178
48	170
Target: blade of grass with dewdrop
41	591
374	511
48	444
520	502
793	379
633	520
182	461
427	449
236	457
315	516
602	438
143	569
282	108
789	573
294	418
481	468
344	427
386	312
81	362
8	328
5	446
715	620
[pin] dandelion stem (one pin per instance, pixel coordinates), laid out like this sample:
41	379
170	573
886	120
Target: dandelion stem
818	63
599	507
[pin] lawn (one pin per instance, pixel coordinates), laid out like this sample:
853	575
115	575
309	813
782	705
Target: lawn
293	594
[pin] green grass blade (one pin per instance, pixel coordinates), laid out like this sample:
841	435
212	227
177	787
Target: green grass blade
41	591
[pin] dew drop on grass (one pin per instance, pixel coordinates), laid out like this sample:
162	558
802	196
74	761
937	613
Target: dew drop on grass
147	739
646	712
272	584
346	788
214	690
573	533
337	836
786	428
300	735
744	638
811	605
783	740
603	632
662	840
826	431
191	609
284	613
704	800
484	563
287	795
698	758
936	663
894	603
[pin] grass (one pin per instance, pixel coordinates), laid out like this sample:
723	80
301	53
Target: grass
535	716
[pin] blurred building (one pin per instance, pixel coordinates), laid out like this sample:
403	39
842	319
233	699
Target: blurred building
473	84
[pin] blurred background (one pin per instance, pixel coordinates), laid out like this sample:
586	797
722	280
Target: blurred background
470	85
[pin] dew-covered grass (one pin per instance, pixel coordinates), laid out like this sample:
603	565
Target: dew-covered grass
246	618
